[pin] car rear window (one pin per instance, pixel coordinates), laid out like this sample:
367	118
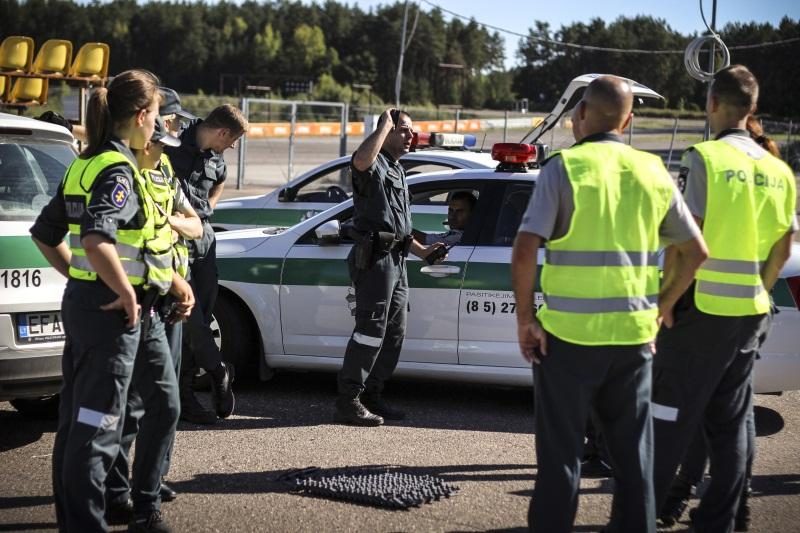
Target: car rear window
30	173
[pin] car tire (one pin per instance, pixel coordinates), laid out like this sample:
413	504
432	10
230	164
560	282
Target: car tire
237	334
45	408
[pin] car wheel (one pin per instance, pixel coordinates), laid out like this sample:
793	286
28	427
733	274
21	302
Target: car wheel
235	331
43	408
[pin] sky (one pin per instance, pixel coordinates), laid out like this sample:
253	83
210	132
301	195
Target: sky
680	15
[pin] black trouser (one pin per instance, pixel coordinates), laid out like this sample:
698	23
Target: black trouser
612	384
175	340
694	462
203	351
97	367
381	313
150	418
703	376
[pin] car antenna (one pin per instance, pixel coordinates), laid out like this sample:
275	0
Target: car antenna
483	141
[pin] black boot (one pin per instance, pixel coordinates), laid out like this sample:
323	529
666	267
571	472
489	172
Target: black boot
742	520
119	513
677	500
375	404
191	409
221	381
167	494
349	410
150	522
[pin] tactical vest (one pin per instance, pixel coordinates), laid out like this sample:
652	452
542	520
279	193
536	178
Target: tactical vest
180	250
750	205
79	181
158	252
600	280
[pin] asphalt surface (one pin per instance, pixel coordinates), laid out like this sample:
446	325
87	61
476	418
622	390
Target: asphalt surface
478	438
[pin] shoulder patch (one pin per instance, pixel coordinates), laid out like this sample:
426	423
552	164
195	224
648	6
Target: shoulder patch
119	195
124	181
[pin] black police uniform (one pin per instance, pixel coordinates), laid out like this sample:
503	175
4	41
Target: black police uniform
381	204
199	171
99	357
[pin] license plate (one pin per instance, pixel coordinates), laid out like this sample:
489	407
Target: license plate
39	327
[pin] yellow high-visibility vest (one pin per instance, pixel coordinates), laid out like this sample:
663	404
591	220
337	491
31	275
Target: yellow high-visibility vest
750	205
600	280
79	181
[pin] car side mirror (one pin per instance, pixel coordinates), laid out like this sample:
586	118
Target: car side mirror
287	194
328	232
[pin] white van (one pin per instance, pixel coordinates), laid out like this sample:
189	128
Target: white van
34	156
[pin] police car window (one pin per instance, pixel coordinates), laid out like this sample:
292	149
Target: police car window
418	167
29	176
513	206
334	186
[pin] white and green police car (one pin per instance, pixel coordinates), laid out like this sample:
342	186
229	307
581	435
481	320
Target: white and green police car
328	184
285	296
34	156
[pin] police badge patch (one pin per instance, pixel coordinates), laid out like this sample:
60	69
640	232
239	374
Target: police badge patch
119	195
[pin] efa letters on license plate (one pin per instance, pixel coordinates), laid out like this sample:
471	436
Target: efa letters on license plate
40	327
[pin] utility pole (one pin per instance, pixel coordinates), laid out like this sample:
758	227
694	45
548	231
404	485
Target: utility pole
398	80
711	63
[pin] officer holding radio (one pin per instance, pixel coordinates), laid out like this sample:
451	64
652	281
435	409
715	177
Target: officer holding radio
381	229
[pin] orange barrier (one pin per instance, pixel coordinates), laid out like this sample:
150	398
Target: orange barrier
311	129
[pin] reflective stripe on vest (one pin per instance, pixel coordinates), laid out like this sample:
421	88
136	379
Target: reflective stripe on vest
750	206
79	181
600	280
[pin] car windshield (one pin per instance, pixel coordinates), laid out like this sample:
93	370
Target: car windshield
29	176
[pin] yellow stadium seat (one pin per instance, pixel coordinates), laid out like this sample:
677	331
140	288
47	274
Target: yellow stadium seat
16	54
29	91
91	62
54	58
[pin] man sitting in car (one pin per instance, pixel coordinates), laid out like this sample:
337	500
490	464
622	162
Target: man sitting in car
459	209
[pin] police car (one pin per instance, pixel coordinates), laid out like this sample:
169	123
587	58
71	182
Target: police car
285	297
330	183
34	156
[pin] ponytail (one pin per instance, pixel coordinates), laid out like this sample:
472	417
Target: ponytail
98	122
756	131
111	107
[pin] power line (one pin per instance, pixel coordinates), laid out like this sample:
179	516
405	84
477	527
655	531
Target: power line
596	48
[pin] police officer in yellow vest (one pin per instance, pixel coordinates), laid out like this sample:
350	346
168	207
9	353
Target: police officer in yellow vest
744	199
103	205
172	211
602	208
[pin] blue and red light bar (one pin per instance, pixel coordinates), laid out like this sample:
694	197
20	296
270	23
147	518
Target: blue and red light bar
442	140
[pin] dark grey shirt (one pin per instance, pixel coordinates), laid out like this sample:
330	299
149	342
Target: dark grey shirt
552	205
198	170
380	197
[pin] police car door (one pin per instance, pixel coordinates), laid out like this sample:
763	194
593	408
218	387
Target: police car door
317	300
432	333
487	323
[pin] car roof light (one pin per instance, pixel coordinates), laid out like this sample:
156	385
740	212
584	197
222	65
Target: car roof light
452	140
514	153
420	139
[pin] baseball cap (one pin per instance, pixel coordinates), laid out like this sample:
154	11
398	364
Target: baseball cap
161	135
171	104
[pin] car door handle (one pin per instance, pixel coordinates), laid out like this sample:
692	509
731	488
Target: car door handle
440	271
